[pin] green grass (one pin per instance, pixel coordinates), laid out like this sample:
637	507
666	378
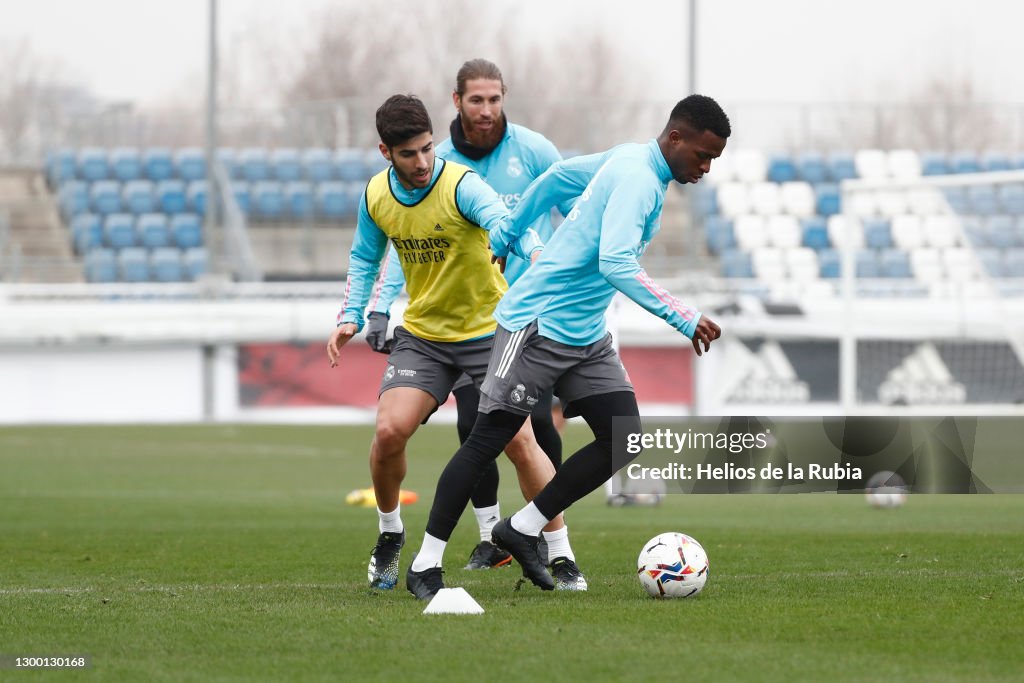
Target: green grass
227	553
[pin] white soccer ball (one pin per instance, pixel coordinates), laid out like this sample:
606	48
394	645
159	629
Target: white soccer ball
886	490
672	565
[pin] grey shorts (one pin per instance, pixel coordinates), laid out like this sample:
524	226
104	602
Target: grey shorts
434	367
524	365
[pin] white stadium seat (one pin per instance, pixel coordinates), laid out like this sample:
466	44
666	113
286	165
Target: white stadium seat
908	232
940	231
768	264
904	164
798	199
784	231
765	198
871	164
960	264
751	232
844	232
733	199
802	264
925	265
751	165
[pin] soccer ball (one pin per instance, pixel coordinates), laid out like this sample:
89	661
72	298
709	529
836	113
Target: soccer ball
886	490
672	565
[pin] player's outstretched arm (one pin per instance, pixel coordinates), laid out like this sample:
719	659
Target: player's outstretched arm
481	204
368	249
705	332
339	337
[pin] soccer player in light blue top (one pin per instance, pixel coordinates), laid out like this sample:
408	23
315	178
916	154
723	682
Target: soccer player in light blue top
551	329
508	157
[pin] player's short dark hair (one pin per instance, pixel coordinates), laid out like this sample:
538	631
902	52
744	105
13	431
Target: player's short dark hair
401	118
477	68
702	113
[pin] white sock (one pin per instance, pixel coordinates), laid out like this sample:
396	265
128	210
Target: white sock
487	517
430	555
558	544
529	520
391	521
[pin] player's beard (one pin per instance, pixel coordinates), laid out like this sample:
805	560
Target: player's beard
484	139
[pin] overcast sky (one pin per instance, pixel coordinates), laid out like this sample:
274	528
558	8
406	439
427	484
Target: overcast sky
749	50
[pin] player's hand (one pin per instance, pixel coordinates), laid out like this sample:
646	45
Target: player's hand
500	260
377	332
339	337
707	331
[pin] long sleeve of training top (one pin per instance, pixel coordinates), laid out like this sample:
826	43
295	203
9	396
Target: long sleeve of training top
368	248
481	204
389	284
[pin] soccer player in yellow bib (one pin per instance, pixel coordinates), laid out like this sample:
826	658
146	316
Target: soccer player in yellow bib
440	217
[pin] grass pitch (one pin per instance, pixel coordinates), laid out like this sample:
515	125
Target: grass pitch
228	553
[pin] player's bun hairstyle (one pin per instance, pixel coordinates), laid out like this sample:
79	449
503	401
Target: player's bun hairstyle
474	69
703	113
401	118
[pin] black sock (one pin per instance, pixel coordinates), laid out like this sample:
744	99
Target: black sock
467	400
490	435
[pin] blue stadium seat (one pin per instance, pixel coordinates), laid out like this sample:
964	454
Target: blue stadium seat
190	164
125	164
60	167
229	159
877	233
983	199
298	199
105	196
737	264
317	165
196	262
332	200
829	264
1020	231
267	200
240	190
814	232
895	264
827	198
100	265
719	234
1013	263
133	265
781	168
119	231
964	162
811	167
957	199
934	163
354	192
868	265
974	230
195	196
992	261
186	230
705	199
157	164
92	164
1011	198
996	161
348	165
152	230
86	232
170	196
373	163
285	164
841	166
138	196
255	166
1000	231
165	265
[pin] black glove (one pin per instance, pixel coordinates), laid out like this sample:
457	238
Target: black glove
377	332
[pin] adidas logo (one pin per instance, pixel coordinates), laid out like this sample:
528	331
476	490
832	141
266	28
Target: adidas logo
922	378
763	377
492	518
438	228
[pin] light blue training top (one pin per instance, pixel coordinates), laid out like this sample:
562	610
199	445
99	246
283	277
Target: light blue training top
595	251
477	202
520	157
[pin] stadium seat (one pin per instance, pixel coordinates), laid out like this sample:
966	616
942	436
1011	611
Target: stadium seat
925	265
845	232
801	264
285	164
152	230
973	230
125	164
983	199
877	233
1011	198
842	166
934	163
751	232
196	196
157	164
165	265
863	204
190	164
196	262
723	170
705	199
827	198
811	167
996	161
86	232
908	232
719	234
170	196
254	164
73	198
992	261
765	198
331	200
133	265
892	202
783	232
240	190
798	199
734	199
781	168
959	264
904	164
228	158
298	199
768	264
956	199
751	165
373	163
60	167
105	197
186	230
895	264
871	164
925	201
317	165
964	162
100	265
349	166
1013	263
941	232
119	231
736	264
868	265
138	197
354	193
829	264
91	163
1019	231
815	233
267	200
1000	231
